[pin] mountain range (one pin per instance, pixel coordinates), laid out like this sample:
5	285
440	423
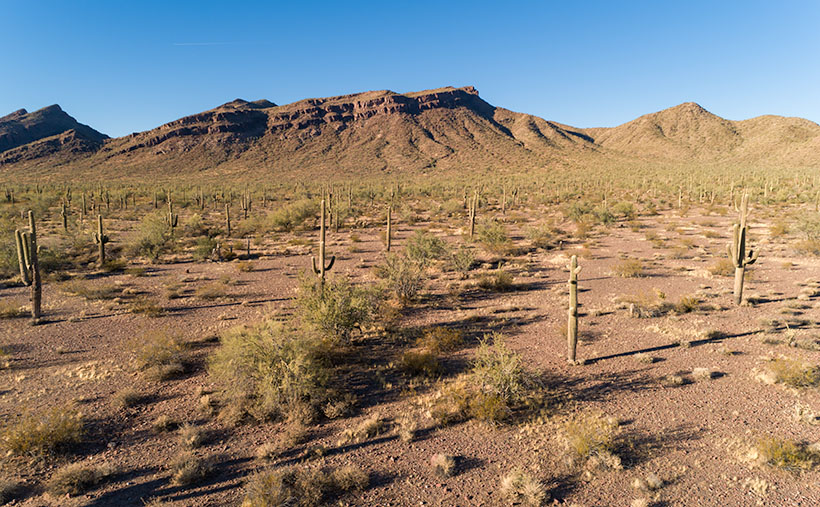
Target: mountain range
380	132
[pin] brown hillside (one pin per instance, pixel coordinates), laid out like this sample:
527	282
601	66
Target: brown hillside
383	132
21	128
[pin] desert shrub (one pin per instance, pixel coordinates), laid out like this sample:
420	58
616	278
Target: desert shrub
420	363
493	237
579	211
629	268
441	339
77	478
153	238
794	373
497	370
47	431
521	488
462	260
293	215
147	306
808	247
158	355
268	371
195	227
424	247
443	465
779	229
127	397
203	248
545	237
9	266
809	226
496	281
209	291
10	309
302	487
403	277
786	454
187	468
335	309
604	216
590	434
625	210
368	428
190	436
722	267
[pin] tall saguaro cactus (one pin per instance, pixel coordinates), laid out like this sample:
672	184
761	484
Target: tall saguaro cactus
473	206
100	239
29	265
737	249
572	324
322	267
64	216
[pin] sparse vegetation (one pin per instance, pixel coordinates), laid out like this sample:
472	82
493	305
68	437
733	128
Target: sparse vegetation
302	486
77	478
42	432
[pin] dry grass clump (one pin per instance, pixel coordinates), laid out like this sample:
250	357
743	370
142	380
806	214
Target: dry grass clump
245	266
644	358
294	433
91	290
10	309
629	268
441	339
493	237
209	291
187	468
77	478
496	281
722	267
146	306
672	381
43	432
164	423
303	487
521	488
190	436
495	386
404	277
339	407
369	428
650	305
158	355
443	465
785	454
590	437
420	363
794	373
703	374
268	371
127	397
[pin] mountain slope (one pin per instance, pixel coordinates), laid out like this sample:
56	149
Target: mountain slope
44	132
378	132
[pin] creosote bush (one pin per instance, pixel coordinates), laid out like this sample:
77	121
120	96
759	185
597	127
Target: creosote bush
462	260
335	310
43	432
404	277
423	247
269	371
153	238
493	237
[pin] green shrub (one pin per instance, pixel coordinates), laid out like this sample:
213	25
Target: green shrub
404	277
493	236
158	355
303	487
293	215
204	246
153	238
269	371
463	259
335	310
497	370
424	247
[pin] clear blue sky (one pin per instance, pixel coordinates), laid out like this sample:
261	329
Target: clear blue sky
130	66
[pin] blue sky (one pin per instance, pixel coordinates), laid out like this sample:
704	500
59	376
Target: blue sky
130	66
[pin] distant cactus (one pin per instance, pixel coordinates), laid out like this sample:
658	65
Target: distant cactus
64	216
100	239
737	249
322	267
572	324
228	219
472	211
389	226
173	218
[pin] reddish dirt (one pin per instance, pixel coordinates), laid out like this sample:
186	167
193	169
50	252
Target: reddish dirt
690	435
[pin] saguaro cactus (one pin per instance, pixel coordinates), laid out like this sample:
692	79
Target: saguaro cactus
29	265
322	267
64	216
100	239
173	218
389	226
473	206
228	219
737	249
572	323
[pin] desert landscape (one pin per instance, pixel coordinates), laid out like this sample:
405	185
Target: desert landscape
409	299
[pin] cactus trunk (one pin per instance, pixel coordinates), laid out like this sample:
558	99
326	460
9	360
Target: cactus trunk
36	281
322	267
572	313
